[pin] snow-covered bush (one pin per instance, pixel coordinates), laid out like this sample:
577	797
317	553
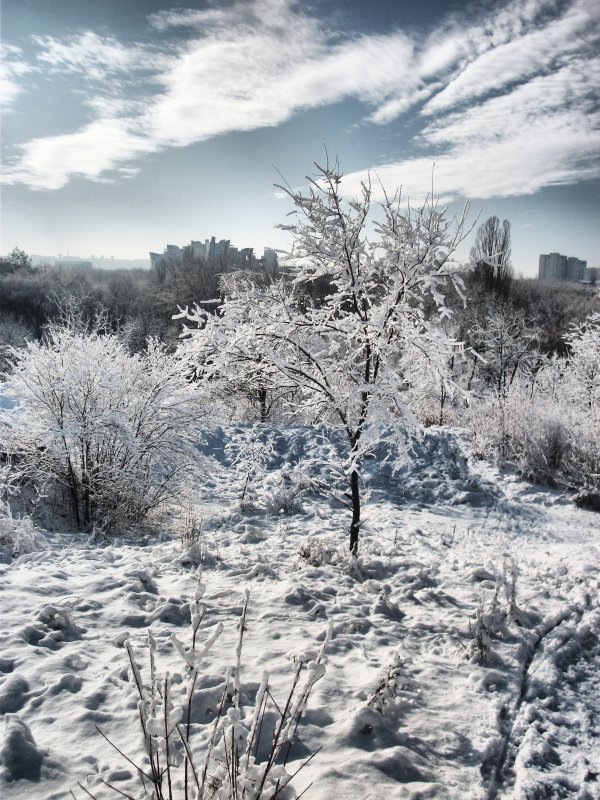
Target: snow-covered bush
582	375
286	488
18	535
13	333
102	433
524	429
316	551
548	421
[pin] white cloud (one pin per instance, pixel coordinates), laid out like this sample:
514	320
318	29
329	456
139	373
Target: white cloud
266	63
389	110
257	12
567	93
526	156
521	58
518	85
248	80
529	112
187	18
48	162
12	68
95	57
515	166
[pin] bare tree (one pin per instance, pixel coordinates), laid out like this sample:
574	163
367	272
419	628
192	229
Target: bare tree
491	255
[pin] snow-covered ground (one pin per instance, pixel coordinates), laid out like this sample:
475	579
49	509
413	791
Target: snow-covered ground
465	659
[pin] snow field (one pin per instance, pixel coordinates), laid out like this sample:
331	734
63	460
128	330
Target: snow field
405	709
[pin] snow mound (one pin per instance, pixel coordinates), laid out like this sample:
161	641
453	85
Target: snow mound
53	626
297	461
435	469
13	694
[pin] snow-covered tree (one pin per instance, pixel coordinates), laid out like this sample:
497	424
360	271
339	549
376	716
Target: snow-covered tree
505	340
16	260
104	429
583	372
433	397
505	343
340	361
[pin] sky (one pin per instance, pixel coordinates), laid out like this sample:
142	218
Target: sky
130	125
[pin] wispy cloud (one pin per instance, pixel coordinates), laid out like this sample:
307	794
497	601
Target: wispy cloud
541	50
95	57
508	102
521	112
12	69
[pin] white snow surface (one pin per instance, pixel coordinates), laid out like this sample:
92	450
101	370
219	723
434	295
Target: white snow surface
405	708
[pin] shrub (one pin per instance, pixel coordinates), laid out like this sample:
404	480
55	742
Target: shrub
104	433
18	535
547	426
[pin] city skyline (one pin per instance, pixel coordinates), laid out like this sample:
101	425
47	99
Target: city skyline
128	126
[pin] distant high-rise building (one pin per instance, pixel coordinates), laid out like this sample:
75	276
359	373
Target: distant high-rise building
269	260
223	252
234	256
556	267
575	269
222	249
197	249
247	259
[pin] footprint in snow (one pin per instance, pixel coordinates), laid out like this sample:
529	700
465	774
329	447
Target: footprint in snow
14	693
20	758
173	611
142	581
53	627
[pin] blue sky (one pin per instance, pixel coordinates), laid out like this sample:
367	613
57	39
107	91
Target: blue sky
128	125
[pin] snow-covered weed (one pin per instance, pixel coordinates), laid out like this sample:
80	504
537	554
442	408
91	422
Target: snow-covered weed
244	749
396	680
495	613
316	552
193	547
18	535
481	631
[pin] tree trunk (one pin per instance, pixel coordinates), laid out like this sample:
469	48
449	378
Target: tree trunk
354	528
262	398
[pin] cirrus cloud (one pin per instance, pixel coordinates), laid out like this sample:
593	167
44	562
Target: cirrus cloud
507	103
